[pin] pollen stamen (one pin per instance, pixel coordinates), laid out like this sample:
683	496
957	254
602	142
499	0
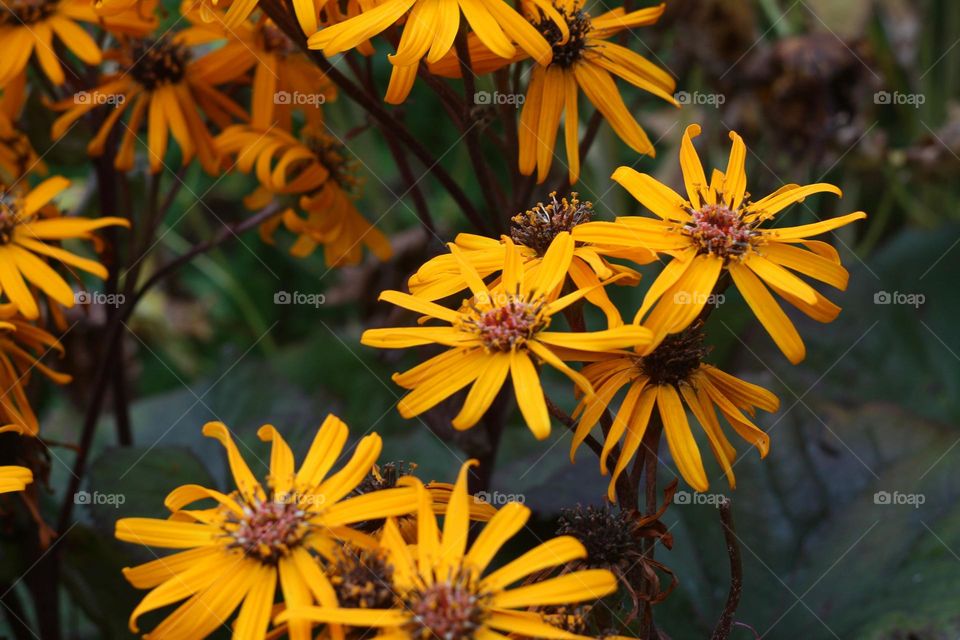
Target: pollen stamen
268	529
508	326
720	231
157	62
565	54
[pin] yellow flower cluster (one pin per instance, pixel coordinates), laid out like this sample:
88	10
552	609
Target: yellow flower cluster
556	255
347	551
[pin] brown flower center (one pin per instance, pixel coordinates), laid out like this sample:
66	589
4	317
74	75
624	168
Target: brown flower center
268	529
363	580
569	52
11	214
332	154
537	227
508	326
17	13
157	62
677	357
447	610
720	231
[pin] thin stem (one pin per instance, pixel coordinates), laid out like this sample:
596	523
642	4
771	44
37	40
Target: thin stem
724	625
470	129
112	336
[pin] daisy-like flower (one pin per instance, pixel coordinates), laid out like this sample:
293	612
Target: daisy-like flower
13	477
316	169
671	376
22	347
165	91
28	27
533	231
718	229
430	30
284	78
442	589
582	61
28	223
236	553
499	332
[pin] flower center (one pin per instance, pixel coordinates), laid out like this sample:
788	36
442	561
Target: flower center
677	357
11	208
268	530
363	580
606	535
451	610
719	231
21	12
537	227
157	62
508	326
569	52
332	154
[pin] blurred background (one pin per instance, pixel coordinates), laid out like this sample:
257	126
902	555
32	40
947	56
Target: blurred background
849	528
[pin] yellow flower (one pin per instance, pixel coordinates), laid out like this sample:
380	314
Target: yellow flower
14	478
317	169
499	331
533	231
430	30
235	553
670	376
29	26
284	78
442	589
717	229
27	223
22	346
164	89
584	61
